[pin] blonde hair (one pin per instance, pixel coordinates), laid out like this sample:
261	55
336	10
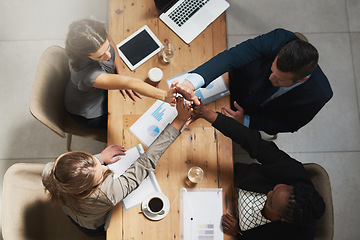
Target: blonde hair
71	182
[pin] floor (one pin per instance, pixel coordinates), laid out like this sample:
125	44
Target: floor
331	139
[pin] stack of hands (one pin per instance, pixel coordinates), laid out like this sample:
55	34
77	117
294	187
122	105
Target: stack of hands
188	112
186	89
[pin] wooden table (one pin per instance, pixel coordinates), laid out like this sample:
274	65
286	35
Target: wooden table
199	145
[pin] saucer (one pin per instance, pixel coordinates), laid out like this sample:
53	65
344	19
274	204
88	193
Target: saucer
156	217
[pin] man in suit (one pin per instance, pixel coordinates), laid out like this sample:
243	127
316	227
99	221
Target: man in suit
276	84
275	199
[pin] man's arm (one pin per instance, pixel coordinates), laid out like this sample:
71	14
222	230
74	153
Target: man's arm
242	54
235	58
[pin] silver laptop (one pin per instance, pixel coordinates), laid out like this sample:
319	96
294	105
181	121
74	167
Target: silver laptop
188	18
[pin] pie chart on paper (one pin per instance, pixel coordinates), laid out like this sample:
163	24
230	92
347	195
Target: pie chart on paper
153	130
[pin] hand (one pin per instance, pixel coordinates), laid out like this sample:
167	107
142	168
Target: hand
171	94
238	115
198	112
132	94
186	89
201	111
184	110
230	224
109	153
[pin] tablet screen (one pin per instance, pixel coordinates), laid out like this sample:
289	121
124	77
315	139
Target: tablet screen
139	47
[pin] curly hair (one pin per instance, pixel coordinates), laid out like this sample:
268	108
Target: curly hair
304	205
71	181
84	37
298	57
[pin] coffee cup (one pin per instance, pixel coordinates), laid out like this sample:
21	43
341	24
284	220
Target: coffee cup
155	206
155	74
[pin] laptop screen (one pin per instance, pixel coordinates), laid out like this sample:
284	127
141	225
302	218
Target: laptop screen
163	5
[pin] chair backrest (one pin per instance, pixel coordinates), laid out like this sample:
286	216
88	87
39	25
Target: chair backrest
27	213
320	178
47	95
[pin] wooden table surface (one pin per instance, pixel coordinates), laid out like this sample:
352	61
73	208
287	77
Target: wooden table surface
199	144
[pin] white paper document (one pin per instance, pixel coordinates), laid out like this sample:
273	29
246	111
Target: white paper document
215	90
148	127
200	214
148	186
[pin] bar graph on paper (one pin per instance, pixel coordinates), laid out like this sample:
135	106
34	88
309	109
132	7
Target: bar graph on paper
159	112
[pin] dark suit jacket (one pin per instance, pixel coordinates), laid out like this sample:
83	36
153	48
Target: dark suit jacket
249	67
276	167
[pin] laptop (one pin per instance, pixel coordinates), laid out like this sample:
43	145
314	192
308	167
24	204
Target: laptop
188	18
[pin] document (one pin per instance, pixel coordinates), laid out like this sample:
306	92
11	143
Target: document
148	127
148	185
215	90
200	214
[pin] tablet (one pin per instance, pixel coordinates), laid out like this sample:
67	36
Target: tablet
139	47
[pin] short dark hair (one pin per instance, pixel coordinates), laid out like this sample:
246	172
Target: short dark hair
298	57
304	205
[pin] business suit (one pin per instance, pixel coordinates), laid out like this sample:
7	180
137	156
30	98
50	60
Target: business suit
249	66
276	167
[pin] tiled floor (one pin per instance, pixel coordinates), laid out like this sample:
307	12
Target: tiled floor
332	139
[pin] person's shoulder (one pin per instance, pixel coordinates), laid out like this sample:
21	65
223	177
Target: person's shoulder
319	79
281	33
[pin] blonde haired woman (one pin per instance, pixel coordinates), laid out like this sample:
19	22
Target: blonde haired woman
85	187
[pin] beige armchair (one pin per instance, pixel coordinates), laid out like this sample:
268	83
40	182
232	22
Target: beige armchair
320	178
27	213
47	97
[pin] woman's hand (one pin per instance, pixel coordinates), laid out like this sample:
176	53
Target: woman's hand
131	93
184	110
109	153
230	224
201	111
170	96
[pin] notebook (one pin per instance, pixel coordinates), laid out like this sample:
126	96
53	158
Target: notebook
188	18
201	210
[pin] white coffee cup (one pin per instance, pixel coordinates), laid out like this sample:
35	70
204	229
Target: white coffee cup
155	74
155	206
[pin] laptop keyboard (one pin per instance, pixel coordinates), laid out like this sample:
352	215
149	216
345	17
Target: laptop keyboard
185	10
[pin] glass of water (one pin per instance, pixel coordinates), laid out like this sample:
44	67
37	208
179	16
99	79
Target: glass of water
194	176
167	51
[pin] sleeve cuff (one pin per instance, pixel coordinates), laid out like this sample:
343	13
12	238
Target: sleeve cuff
247	121
196	80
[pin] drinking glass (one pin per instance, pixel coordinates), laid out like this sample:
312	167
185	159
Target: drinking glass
167	51
194	176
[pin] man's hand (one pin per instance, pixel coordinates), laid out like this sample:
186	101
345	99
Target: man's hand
109	153
230	224
238	115
186	89
132	94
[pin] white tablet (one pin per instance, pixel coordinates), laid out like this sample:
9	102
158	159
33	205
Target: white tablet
139	47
